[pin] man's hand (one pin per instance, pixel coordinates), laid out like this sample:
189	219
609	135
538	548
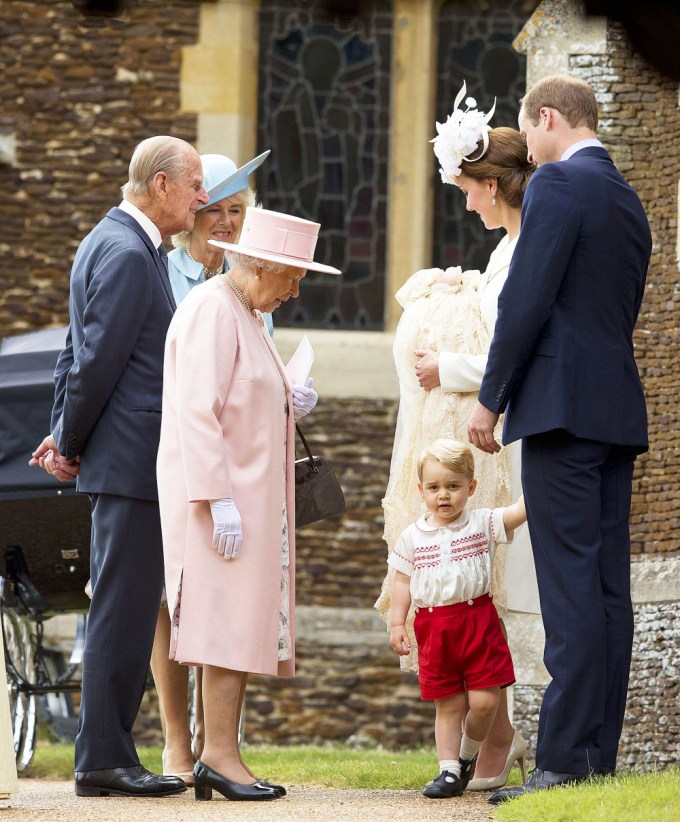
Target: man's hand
47	456
480	429
427	369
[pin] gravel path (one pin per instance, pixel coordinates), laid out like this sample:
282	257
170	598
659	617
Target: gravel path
57	802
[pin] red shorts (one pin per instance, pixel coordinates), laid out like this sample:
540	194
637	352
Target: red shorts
461	647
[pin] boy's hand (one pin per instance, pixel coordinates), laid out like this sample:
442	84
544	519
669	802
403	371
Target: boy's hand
399	640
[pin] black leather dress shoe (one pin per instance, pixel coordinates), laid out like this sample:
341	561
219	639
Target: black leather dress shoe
445	786
135	781
538	781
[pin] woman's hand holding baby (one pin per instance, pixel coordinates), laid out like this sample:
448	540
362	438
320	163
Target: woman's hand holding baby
427	368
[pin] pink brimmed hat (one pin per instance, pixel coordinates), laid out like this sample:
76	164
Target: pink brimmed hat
271	235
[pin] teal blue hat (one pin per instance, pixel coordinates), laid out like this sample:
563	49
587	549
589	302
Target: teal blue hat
222	179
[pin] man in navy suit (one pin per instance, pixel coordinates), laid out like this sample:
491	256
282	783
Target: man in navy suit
106	427
563	369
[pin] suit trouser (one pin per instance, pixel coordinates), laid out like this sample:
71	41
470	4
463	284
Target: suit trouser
578	495
126	567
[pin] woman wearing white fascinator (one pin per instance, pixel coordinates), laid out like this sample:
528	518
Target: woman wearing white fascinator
440	351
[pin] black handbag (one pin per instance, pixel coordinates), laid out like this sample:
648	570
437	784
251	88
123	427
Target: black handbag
318	494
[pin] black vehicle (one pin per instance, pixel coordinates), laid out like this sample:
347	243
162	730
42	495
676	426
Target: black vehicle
44	546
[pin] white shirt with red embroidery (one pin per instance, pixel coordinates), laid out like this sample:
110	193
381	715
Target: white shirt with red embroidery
451	563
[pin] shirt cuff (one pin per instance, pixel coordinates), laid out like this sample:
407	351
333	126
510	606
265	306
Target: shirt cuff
398	562
497	525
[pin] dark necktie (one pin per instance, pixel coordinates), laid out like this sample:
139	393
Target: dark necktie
163	254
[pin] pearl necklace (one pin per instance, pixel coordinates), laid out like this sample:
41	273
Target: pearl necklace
207	272
241	296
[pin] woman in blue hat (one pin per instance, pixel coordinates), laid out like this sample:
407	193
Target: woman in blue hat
192	262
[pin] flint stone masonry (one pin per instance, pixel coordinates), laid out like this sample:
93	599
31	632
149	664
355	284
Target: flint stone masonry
651	731
640	126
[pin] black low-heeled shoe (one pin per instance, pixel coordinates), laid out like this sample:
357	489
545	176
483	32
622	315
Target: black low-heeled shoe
205	779
277	788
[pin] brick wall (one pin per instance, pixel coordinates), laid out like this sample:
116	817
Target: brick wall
77	95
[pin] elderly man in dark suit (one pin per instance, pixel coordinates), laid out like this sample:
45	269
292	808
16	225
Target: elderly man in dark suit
106	426
563	369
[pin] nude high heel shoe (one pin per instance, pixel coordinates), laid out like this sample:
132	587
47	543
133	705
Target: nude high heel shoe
517	753
186	776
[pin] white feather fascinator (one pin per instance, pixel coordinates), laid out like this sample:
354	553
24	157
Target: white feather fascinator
458	137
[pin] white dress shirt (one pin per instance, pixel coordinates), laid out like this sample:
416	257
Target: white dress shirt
150	228
590	142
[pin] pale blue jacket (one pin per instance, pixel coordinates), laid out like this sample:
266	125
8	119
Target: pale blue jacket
186	273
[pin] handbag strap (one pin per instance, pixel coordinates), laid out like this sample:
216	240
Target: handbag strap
307	448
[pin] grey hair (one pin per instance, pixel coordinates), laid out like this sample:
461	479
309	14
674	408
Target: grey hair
151	156
246	197
249	263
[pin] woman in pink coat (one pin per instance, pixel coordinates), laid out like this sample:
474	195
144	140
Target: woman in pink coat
226	485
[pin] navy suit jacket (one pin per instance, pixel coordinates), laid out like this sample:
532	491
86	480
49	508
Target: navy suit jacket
562	353
109	377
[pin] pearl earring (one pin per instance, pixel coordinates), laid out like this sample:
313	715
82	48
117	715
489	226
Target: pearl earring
493	201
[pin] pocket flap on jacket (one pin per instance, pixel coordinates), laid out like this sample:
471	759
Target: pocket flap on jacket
546	347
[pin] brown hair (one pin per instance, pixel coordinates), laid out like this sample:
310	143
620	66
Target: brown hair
504	161
454	455
573	98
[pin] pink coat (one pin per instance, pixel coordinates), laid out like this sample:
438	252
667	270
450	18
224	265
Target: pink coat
225	396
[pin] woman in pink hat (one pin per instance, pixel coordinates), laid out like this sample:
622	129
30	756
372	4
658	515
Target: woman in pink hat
226	485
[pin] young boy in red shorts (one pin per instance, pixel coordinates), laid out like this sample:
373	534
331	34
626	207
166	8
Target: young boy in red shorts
443	564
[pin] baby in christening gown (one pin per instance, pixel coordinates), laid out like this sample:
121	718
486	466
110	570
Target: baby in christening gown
441	313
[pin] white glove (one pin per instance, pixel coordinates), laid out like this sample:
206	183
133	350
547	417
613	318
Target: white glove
304	399
227	532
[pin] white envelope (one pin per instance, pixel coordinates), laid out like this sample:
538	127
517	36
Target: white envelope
300	364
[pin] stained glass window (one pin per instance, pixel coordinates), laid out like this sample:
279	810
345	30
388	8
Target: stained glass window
475	45
324	92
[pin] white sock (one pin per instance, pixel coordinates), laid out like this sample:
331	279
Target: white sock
450	765
469	748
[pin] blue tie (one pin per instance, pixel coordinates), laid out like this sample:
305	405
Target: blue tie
163	254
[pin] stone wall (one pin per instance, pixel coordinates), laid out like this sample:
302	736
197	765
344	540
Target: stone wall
342	562
77	95
651	731
640	125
